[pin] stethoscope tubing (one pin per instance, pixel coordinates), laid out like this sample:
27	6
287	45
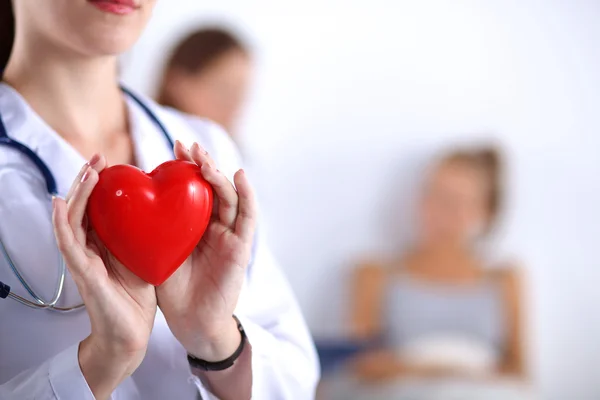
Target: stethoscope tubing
51	187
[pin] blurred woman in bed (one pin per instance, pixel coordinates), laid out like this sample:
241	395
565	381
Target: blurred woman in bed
449	323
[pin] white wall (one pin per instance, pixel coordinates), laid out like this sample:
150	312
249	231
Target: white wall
350	98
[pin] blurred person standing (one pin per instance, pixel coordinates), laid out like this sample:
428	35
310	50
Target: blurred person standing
208	75
445	321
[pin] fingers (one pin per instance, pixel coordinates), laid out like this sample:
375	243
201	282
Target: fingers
77	205
68	216
195	154
181	152
245	224
228	201
97	162
200	156
227	197
68	245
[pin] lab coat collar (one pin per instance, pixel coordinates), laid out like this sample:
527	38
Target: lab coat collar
25	126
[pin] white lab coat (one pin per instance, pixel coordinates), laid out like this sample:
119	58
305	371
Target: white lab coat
38	348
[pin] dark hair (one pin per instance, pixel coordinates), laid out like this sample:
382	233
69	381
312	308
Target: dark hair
489	161
7	32
196	53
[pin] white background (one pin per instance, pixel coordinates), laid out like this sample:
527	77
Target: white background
351	97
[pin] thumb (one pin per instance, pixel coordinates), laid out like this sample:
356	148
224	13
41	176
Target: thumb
116	269
70	248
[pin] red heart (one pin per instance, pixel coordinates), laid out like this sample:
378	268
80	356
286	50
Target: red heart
151	222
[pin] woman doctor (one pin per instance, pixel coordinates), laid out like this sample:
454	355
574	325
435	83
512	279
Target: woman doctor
225	325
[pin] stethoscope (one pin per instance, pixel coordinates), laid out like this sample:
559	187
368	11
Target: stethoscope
40	303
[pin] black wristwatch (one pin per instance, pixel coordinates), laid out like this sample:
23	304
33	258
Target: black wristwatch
220	365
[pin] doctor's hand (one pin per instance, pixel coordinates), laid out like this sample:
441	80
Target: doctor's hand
199	299
120	305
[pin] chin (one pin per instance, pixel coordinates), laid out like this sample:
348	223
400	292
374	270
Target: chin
108	36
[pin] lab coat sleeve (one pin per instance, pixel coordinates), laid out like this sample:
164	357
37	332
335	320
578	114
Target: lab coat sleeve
59	378
284	359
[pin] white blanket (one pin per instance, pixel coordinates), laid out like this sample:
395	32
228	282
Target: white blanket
344	387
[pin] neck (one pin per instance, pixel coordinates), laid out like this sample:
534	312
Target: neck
78	97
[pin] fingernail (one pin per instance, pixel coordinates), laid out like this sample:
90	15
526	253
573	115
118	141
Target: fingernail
53	202
86	175
201	149
94	160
